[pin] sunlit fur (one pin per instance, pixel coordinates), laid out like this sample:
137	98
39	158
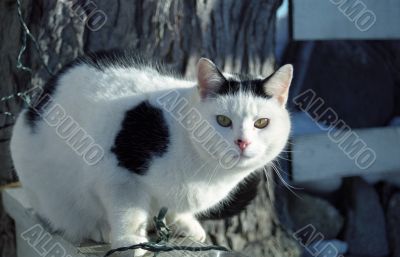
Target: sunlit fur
106	202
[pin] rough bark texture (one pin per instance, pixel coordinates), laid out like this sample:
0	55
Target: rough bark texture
262	229
237	35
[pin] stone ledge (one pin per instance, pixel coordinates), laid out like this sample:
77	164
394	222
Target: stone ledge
29	228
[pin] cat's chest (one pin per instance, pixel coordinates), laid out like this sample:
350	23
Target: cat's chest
202	196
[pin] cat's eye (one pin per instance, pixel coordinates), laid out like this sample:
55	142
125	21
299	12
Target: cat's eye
224	121
261	123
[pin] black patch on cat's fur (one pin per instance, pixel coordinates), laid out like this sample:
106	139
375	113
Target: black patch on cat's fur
241	197
33	114
245	84
144	135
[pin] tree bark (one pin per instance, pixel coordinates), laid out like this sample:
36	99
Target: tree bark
236	35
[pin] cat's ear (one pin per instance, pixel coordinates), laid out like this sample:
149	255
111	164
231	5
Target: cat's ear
277	85
209	78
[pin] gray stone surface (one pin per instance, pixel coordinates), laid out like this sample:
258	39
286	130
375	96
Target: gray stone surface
366	227
393	220
330	248
307	209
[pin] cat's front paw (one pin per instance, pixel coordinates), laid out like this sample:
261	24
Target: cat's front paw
188	226
129	241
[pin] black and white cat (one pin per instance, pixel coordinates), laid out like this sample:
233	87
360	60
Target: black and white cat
162	141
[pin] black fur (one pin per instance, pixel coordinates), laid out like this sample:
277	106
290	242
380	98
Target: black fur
144	135
244	83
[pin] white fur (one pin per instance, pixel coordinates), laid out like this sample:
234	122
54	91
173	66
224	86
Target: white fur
106	202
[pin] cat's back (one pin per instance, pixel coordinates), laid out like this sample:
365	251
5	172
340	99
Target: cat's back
94	93
110	75
102	85
87	100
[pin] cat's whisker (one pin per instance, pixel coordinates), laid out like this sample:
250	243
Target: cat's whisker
198	170
212	175
290	151
283	158
269	177
286	184
277	167
277	164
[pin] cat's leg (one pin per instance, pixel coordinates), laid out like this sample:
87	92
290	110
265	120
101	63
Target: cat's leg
186	224
101	232
128	215
129	228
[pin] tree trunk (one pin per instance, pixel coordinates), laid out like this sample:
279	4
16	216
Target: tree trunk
236	35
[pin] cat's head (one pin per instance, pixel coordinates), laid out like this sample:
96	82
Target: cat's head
247	114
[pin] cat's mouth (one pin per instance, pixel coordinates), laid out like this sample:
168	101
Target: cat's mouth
244	156
244	160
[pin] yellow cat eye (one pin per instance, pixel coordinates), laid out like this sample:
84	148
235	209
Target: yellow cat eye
224	121
261	123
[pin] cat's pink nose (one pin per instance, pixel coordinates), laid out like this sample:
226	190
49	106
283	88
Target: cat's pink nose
242	144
